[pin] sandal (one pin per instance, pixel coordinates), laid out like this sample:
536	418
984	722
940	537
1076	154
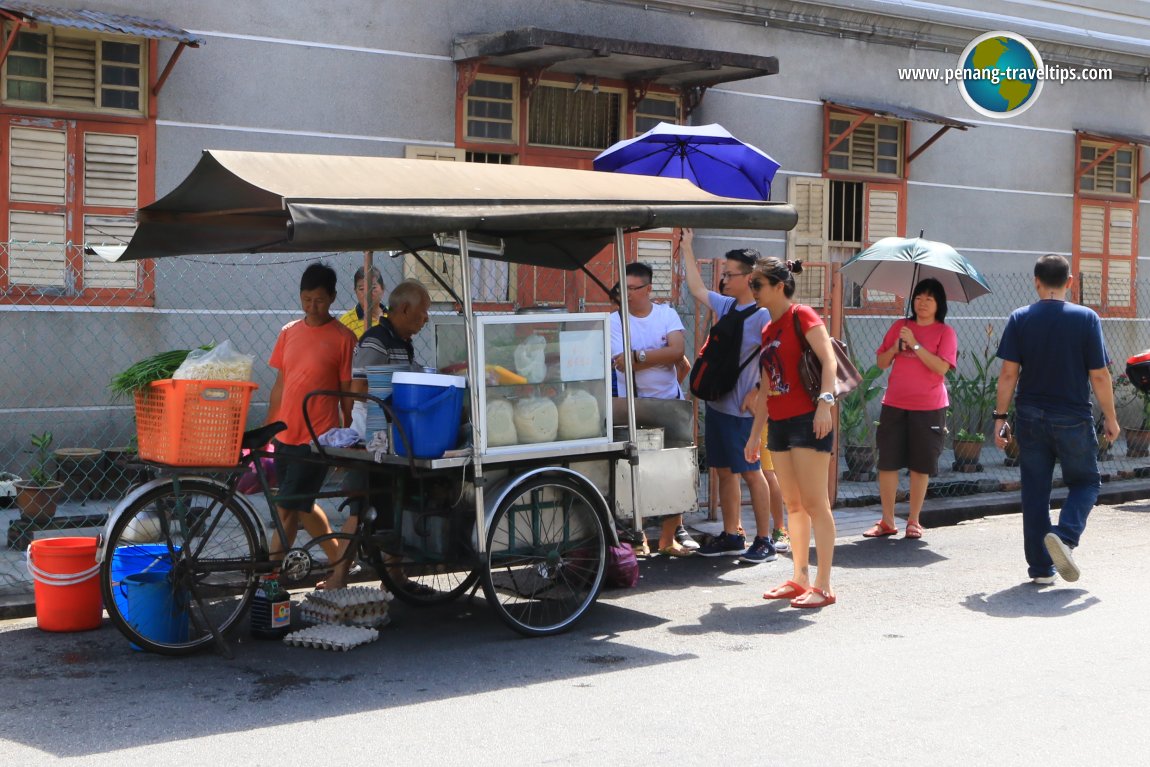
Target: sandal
913	530
789	590
823	599
880	530
676	550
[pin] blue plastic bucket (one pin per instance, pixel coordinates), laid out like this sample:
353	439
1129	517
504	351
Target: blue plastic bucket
137	558
428	406
154	610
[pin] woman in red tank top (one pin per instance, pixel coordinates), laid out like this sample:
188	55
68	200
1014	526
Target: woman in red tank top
800	438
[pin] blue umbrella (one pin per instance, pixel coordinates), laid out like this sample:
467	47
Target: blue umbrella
706	155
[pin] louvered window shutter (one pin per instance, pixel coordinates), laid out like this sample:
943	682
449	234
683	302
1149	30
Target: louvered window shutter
111	170
807	242
37	167
109	230
1106	253
881	218
74	72
657	255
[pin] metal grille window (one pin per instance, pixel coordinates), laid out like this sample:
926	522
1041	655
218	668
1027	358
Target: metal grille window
875	147
1113	174
76	72
560	116
653	110
491	109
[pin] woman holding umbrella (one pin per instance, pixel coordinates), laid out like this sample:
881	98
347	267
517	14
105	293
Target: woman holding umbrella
800	438
912	424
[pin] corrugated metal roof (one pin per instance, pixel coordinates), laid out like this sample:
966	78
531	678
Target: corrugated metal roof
98	21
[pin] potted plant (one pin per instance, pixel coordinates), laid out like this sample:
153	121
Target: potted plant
1137	437
972	390
38	495
855	425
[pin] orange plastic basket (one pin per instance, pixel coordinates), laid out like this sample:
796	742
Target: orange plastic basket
192	423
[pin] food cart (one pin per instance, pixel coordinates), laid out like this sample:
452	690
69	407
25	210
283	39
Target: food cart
528	502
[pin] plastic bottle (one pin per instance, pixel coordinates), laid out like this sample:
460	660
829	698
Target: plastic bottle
271	610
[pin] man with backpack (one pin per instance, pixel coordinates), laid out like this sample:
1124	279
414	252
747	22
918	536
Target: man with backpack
725	375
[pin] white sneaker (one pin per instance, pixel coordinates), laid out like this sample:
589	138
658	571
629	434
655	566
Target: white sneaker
1043	580
684	539
1063	557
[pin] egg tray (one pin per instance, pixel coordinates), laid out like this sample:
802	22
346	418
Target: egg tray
325	637
352	606
374	617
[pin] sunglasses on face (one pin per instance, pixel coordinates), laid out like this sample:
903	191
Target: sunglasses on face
759	284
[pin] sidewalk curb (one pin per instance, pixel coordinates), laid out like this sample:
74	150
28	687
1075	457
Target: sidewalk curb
938	513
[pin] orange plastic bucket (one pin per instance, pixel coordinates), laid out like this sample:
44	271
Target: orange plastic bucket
67	584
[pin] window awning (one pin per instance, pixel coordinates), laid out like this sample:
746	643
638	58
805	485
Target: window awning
249	202
674	66
97	21
865	109
899	113
1110	136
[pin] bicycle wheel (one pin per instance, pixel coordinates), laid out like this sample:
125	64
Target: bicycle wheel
191	549
421	583
546	555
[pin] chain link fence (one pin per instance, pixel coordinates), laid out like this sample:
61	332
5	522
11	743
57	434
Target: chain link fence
64	341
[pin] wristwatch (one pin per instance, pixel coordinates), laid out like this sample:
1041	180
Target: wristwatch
641	355
916	347
827	397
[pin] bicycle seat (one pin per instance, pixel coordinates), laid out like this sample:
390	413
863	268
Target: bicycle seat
257	438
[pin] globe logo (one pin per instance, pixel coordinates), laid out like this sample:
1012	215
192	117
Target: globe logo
1002	74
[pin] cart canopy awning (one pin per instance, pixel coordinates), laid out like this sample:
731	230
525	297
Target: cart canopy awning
248	202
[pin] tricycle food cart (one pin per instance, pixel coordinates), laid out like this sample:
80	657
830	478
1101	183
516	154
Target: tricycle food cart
527	510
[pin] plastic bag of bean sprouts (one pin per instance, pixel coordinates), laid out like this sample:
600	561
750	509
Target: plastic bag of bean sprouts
220	363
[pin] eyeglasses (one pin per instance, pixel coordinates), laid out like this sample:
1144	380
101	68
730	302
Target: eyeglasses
729	275
638	287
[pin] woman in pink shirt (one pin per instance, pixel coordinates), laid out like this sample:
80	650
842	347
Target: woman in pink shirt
912	425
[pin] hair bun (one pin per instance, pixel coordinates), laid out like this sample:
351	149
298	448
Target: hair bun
795	267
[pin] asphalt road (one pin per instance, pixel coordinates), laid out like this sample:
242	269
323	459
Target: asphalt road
940	652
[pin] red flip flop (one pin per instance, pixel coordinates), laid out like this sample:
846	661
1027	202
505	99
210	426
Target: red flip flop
880	530
789	590
824	599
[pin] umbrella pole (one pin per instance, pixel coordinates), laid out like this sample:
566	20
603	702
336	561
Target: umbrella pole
368	288
909	296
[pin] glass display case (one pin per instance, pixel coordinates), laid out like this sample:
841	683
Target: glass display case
546	379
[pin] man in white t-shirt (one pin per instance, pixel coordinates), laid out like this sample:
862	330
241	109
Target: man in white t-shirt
657	344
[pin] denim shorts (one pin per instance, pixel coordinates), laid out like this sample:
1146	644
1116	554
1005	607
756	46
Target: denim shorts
725	438
299	481
798	432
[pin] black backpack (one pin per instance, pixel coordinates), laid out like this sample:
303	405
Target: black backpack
717	368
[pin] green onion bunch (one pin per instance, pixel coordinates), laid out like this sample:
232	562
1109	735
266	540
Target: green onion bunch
154	368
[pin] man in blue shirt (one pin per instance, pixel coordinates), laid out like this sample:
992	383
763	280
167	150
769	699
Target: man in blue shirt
1053	351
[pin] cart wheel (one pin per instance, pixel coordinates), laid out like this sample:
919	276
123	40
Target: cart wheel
546	555
423	584
200	546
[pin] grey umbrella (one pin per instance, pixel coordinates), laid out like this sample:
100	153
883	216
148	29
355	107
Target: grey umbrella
896	264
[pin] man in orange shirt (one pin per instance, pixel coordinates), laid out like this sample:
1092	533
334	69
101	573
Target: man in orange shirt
311	353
